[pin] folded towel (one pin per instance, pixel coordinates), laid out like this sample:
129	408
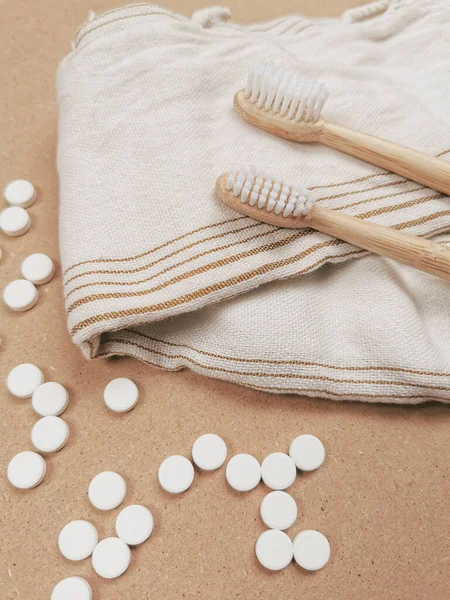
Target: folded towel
146	125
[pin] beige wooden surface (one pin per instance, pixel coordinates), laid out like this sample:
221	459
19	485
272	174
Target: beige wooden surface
382	496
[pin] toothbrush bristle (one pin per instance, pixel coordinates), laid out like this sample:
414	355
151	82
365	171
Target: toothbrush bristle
285	93
257	188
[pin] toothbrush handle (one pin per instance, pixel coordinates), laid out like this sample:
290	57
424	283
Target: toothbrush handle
417	252
428	170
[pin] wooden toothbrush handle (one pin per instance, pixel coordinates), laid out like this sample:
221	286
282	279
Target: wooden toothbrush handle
428	170
408	249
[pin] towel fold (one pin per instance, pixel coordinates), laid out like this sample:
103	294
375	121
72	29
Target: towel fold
146	125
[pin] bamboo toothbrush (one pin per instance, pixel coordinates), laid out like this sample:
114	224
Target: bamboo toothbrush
290	107
276	202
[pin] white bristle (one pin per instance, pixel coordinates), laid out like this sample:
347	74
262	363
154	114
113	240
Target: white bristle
257	81
271	203
289	209
279	207
283	83
249	85
237	187
257	188
288	95
276	77
312	101
298	210
296	98
253	198
320	102
285	93
303	100
264	88
262	200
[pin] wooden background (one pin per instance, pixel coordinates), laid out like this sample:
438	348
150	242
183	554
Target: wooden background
382	497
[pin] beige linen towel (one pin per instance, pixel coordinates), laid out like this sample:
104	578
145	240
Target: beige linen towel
145	127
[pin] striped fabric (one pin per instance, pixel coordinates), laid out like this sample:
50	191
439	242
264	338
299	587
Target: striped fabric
145	127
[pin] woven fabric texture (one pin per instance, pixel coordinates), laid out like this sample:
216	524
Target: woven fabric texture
157	268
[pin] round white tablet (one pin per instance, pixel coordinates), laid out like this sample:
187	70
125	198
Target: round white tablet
278	471
121	394
111	558
20	193
278	510
307	452
24	379
38	268
134	524
176	474
50	399
20	295
107	490
243	472
72	588
26	470
15	221
77	540
274	549
50	434
209	452
311	550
